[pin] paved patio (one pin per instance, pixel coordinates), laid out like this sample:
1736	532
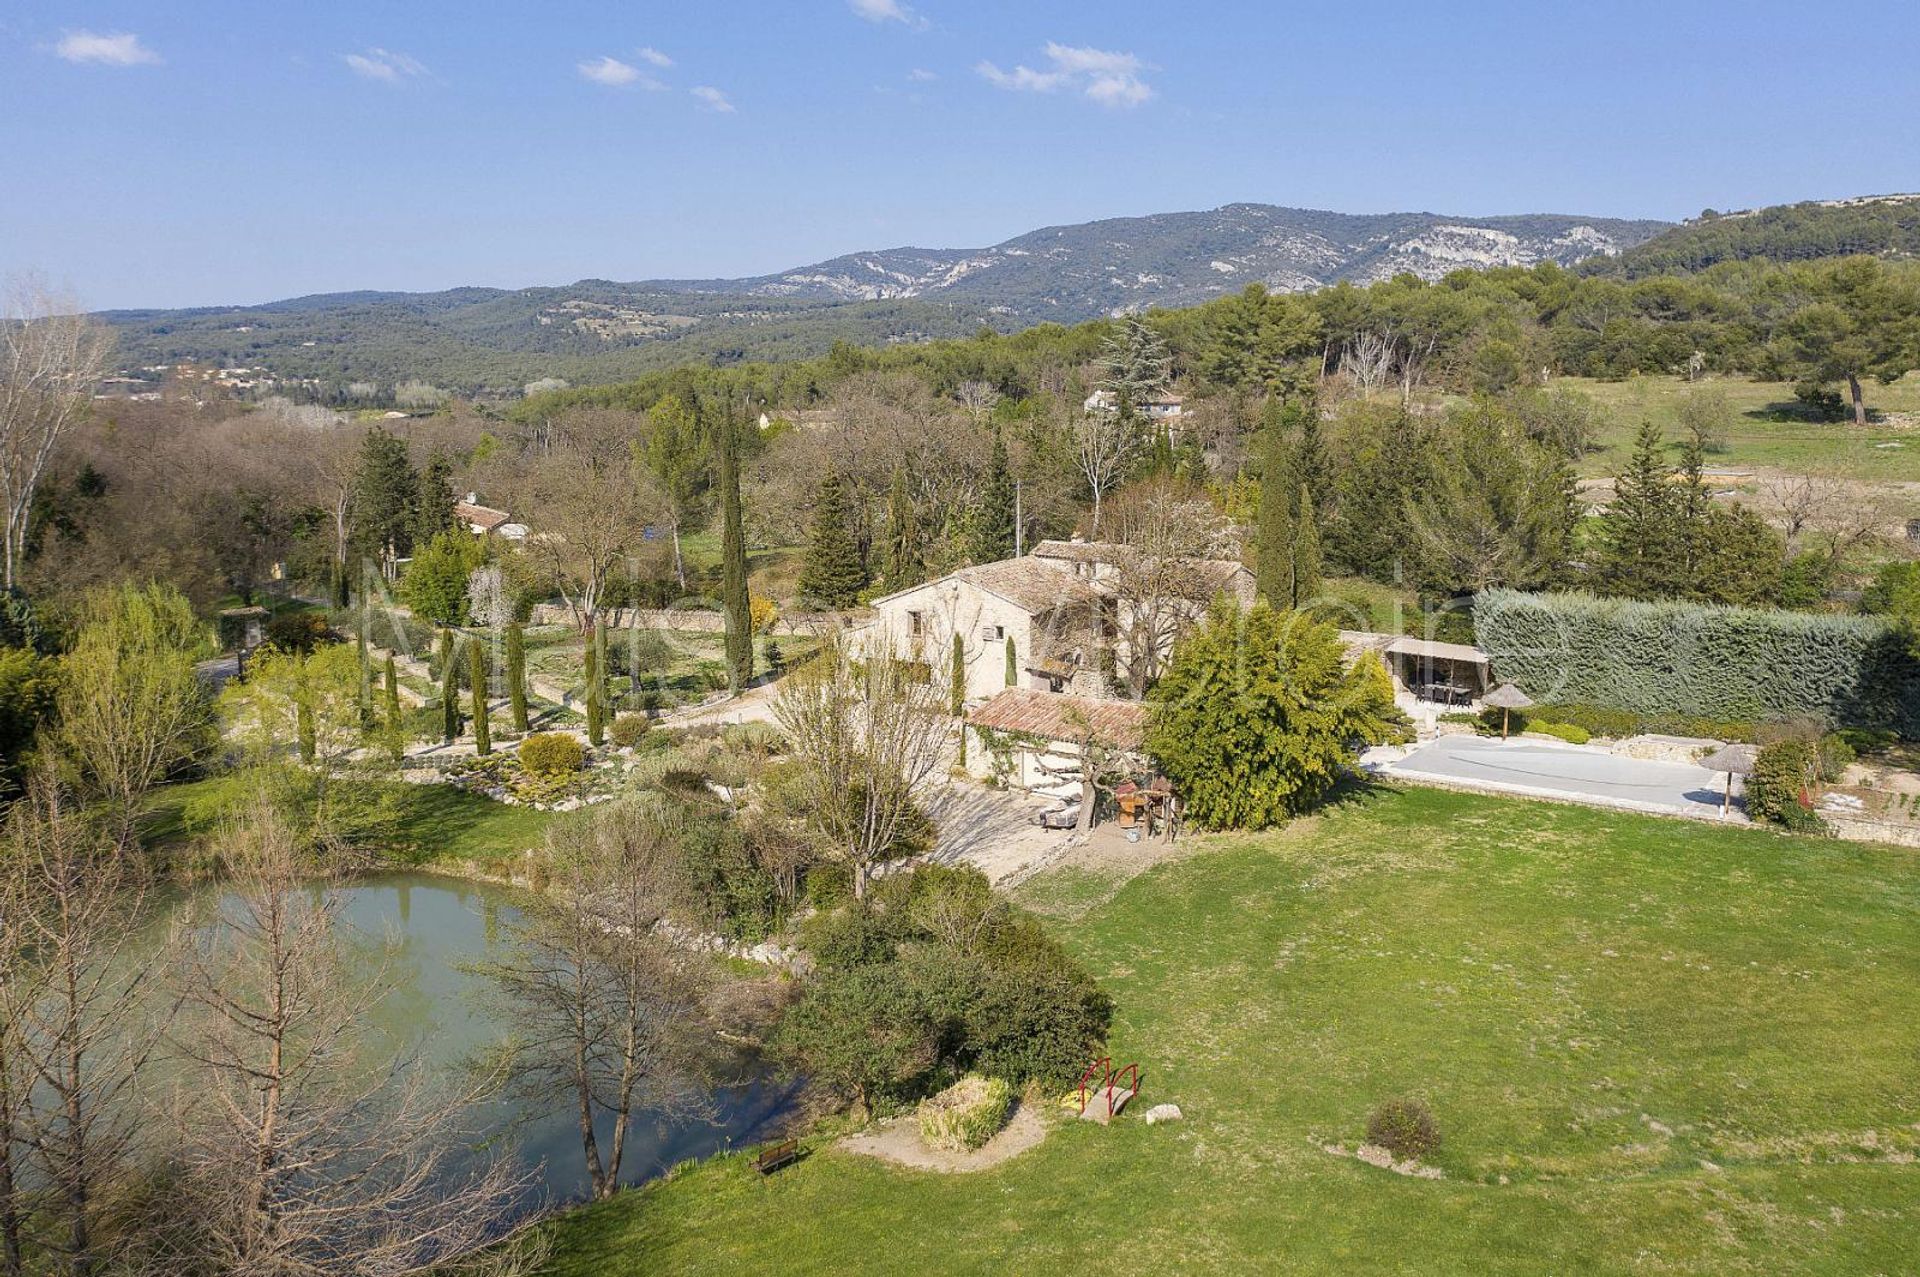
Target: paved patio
1574	773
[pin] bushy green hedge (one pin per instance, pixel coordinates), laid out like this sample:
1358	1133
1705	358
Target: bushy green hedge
1621	723
1699	660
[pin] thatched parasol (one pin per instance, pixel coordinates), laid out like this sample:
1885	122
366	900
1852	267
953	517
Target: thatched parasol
1506	698
1734	760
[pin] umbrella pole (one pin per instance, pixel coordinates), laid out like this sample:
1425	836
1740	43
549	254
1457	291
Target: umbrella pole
1504	711
1726	801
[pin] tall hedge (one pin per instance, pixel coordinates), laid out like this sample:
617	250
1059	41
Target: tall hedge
1698	659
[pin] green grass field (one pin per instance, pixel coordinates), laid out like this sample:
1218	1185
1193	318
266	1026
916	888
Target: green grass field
1651	1046
1765	431
427	822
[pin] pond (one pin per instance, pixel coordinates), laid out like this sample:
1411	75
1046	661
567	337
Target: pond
429	927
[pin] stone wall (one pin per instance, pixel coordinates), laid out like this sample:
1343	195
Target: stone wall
690	620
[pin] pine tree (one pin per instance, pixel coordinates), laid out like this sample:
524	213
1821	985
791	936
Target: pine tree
479	676
834	574
1306	551
517	675
449	691
902	563
1642	556
1134	362
396	726
991	533
733	564
385	488
433	500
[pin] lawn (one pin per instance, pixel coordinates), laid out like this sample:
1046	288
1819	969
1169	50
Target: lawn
1650	1045
1766	430
428	822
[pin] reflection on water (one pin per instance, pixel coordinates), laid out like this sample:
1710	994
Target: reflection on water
427	927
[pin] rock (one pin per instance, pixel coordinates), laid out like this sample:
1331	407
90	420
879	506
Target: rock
1164	1113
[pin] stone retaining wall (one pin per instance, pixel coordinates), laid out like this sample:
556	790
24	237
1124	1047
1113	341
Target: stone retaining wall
691	620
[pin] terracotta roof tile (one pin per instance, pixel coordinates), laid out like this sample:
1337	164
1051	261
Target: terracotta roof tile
1057	716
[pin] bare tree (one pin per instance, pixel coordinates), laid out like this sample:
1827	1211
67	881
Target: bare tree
868	735
1173	552
78	1030
977	397
1369	358
606	1002
299	1154
588	511
1103	441
51	358
1822	515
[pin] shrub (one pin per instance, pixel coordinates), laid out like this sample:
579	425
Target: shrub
1404	1128
966	1114
1836	755
630	729
1701	661
1782	773
551	754
299	632
1572	733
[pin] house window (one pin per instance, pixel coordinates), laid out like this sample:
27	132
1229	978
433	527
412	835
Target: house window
993	633
916	624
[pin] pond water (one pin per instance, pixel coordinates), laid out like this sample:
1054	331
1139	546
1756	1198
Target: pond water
428	927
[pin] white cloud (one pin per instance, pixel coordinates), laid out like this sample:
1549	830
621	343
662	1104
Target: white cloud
384	65
654	57
920	75
1109	78
118	50
611	72
882	11
712	98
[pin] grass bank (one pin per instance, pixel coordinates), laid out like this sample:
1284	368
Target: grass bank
1650	1045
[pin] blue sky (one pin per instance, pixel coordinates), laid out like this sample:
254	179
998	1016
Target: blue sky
200	152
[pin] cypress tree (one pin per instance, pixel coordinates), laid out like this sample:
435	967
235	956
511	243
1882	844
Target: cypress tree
1273	531
366	678
902	552
1306	551
1013	664
517	675
834	574
733	565
303	728
597	685
959	691
479	676
991	536
396	728
338	584
449	691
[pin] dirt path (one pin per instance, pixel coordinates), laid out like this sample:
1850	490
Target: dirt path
897	1140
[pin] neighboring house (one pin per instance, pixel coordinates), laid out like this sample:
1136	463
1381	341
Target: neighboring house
483	520
1041	735
1076	612
1164	406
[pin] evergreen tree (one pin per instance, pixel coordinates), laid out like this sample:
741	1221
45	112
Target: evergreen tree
395	725
1306	551
337	585
1274	530
385	488
479	676
991	532
517	675
1643	553
433	500
834	574
957	677
597	685
902	565
733	563
1013	664
449	691
1134	362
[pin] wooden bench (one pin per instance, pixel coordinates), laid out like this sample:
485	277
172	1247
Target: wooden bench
779	1155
